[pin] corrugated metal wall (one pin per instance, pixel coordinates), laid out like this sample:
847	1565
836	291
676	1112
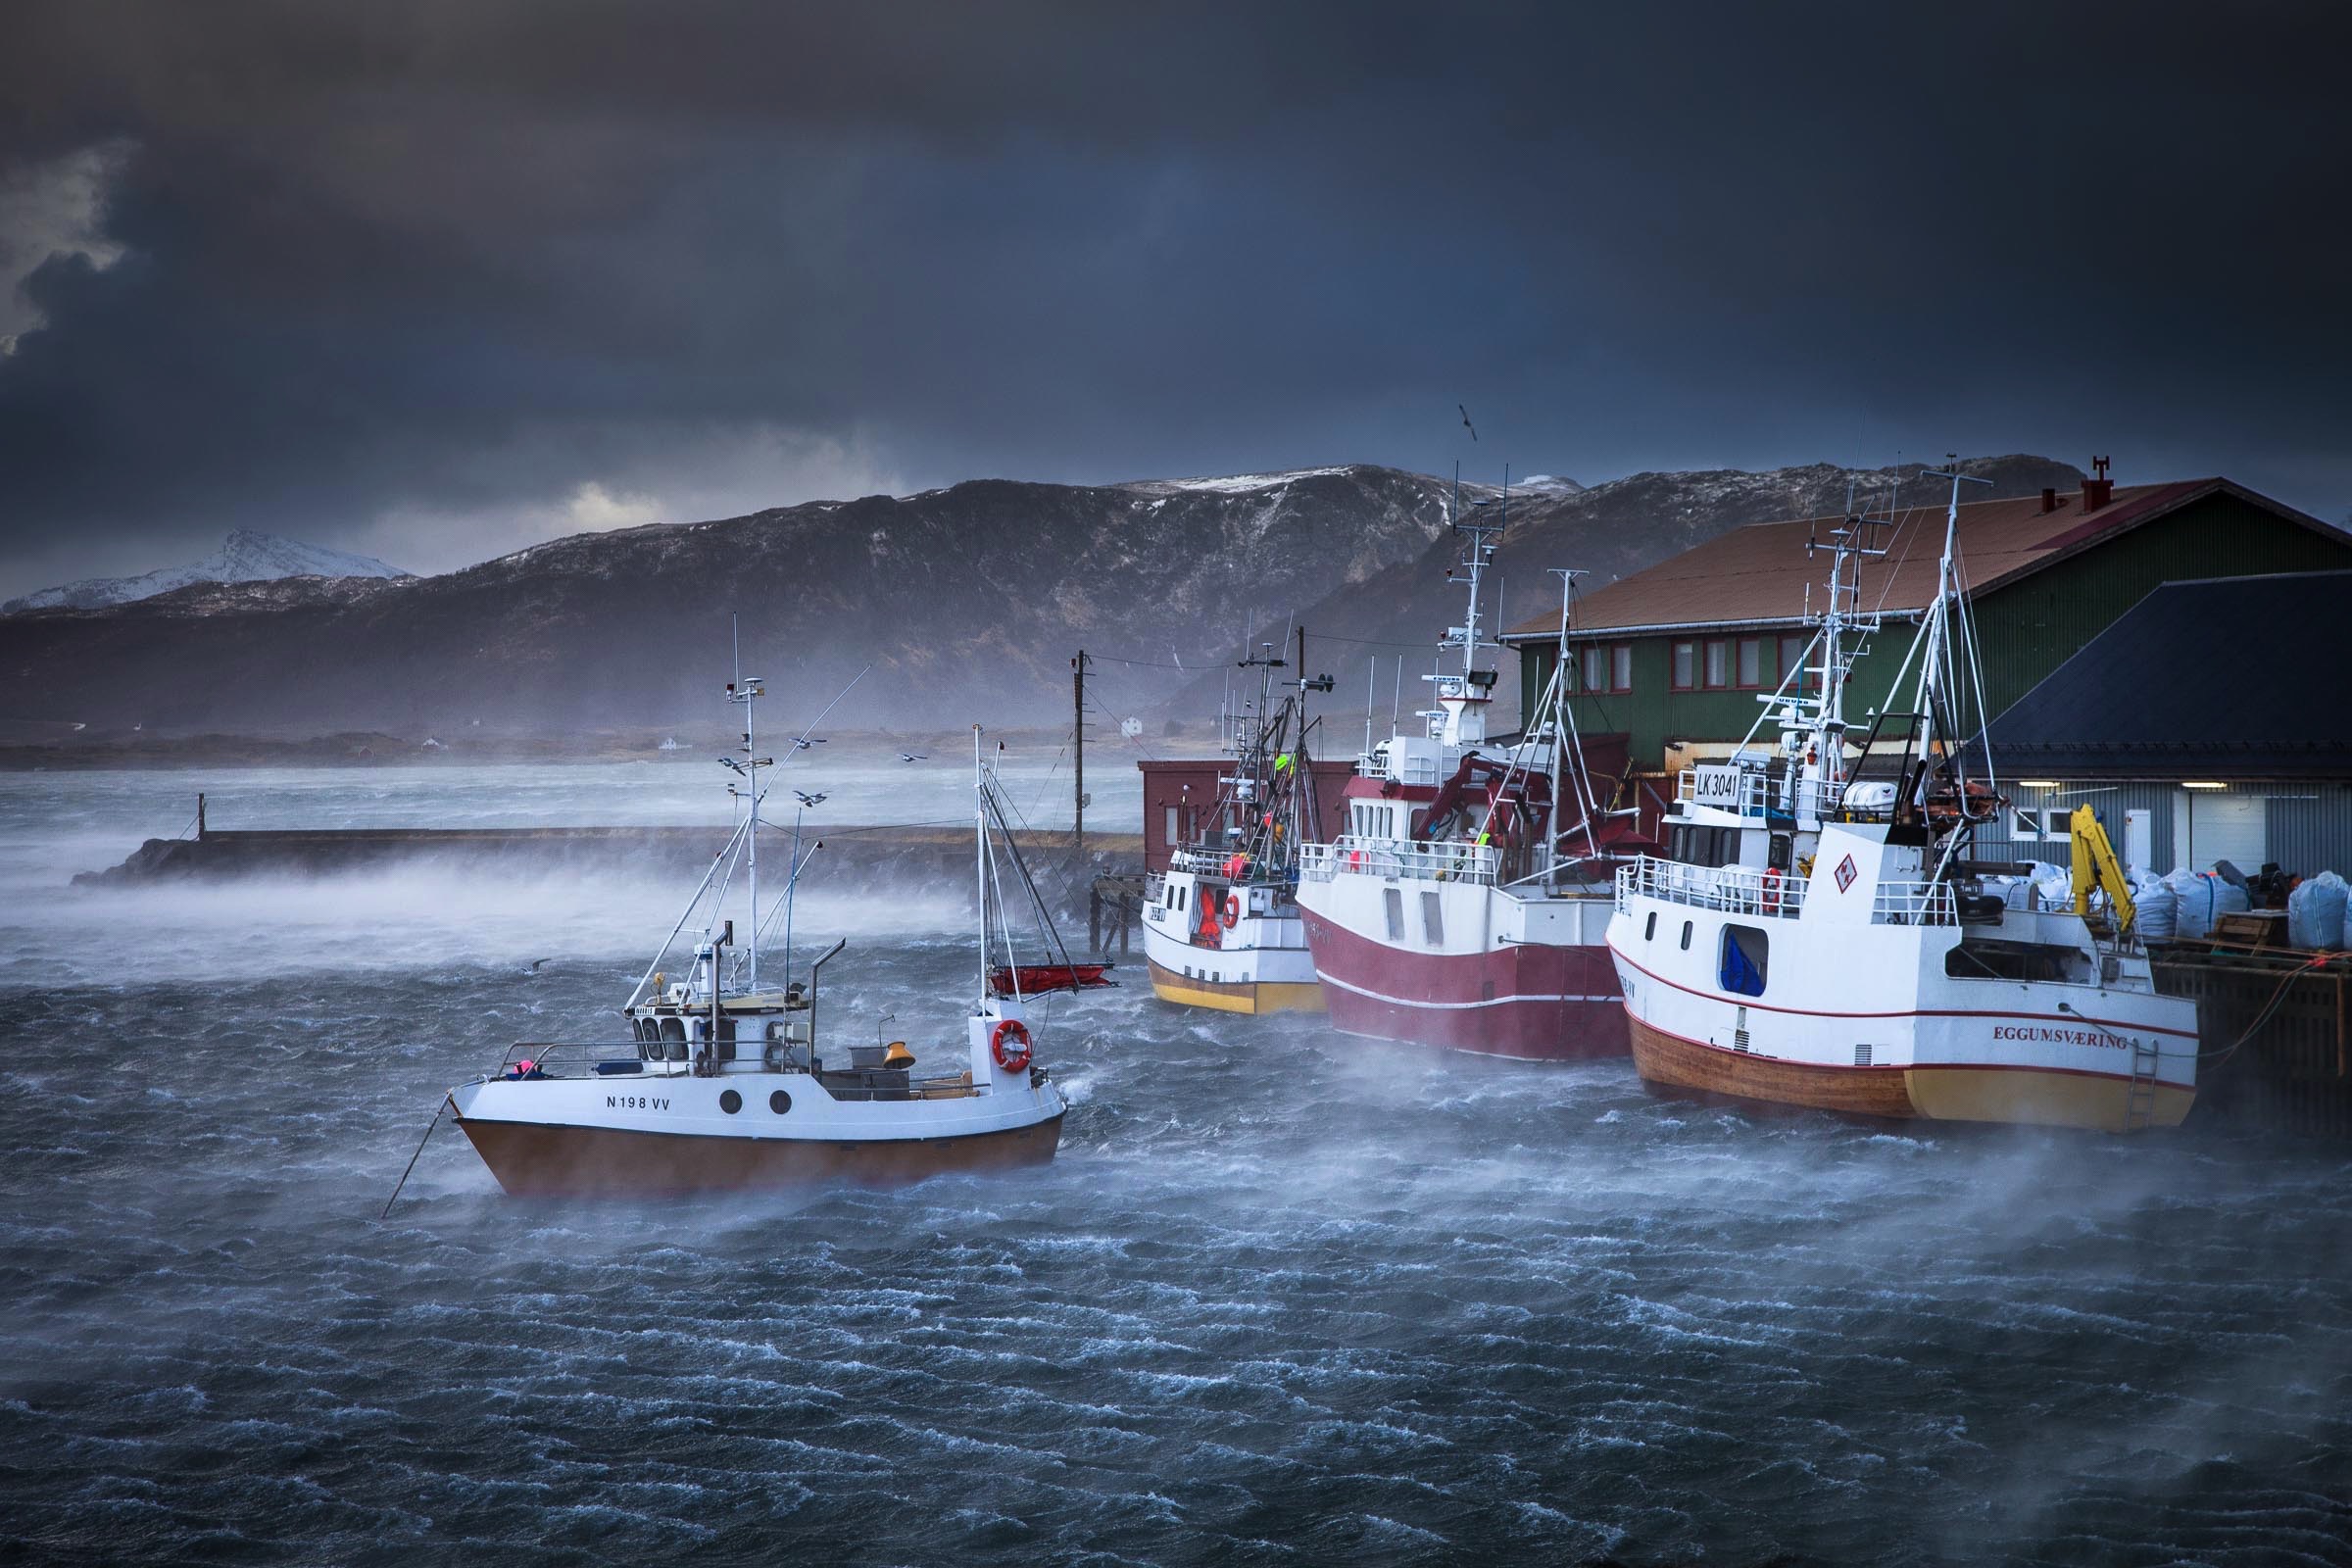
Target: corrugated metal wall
2029	629
2310	824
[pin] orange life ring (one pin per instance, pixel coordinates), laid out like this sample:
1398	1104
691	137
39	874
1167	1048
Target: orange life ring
1013	1029
1772	889
1233	910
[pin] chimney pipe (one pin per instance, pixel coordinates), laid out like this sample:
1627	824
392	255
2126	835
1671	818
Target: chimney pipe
2049	498
2097	492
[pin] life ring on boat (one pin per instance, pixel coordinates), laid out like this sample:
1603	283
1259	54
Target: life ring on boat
1772	889
1356	859
1233	910
1014	1057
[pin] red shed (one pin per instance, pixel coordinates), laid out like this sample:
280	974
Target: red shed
1178	797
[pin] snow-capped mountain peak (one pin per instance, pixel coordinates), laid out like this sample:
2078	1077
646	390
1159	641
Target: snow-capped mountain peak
244	557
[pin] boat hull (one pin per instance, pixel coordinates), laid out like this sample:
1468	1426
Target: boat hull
1250	997
2038	1096
1259	964
536	1159
1535	1001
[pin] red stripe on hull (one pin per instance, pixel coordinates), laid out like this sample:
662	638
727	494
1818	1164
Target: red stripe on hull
535	1160
1505	1002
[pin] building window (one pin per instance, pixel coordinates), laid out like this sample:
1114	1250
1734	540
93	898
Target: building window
1171	820
1686	665
2034	825
1751	661
1621	668
1719	665
1596	668
1792	654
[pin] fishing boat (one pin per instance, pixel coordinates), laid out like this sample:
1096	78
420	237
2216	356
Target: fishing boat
1221	924
726	1081
1466	904
1817	934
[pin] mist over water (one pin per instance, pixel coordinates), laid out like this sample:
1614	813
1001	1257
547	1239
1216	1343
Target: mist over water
1286	1296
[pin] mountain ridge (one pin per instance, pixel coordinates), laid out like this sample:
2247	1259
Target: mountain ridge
957	604
245	555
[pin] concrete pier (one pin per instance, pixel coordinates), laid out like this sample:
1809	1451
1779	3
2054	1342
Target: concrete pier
925	856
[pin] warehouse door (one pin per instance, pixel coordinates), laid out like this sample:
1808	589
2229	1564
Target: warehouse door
2228	827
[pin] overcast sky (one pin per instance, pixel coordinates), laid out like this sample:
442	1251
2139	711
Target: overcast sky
433	281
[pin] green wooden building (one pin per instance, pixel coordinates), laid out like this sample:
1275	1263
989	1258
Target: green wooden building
1679	656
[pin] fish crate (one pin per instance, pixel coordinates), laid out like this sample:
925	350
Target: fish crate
2270	1033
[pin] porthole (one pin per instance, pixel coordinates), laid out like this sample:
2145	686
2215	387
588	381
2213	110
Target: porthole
1649	929
1685	936
780	1101
730	1101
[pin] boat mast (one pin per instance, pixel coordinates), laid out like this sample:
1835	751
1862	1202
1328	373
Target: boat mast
980	856
1559	730
748	691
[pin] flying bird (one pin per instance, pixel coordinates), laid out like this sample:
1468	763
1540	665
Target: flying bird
729	761
807	799
1466	424
914	756
804	743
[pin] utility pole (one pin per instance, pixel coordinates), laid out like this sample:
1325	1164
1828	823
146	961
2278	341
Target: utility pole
1078	749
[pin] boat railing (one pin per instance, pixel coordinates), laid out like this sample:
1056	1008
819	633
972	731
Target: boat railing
1255	871
1749	890
1396	859
1733	889
1915	904
581	1058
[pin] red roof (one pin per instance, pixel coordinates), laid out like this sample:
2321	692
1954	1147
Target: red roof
1761	575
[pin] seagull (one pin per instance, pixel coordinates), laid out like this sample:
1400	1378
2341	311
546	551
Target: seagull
729	761
914	756
804	743
808	800
1466	424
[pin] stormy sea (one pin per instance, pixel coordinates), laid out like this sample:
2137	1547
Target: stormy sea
1286	1296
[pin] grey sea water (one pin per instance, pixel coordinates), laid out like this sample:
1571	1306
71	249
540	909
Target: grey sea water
1286	1296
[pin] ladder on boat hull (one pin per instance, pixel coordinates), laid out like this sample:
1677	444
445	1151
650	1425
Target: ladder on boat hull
2140	1101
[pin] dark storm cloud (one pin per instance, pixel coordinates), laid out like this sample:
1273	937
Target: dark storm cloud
460	260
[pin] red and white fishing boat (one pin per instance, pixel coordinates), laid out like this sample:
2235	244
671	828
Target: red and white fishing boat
726	1083
1817	935
1466	904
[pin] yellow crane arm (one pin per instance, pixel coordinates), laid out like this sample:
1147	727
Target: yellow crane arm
2095	864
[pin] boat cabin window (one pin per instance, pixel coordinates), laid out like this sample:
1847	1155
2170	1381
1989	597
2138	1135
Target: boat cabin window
1393	904
1433	919
1649	927
1695	845
1746	953
1685	936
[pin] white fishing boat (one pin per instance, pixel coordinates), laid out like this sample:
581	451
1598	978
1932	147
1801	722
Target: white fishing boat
727	1080
1467	901
1817	934
1222	925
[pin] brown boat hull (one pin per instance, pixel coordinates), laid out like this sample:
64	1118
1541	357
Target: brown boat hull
2015	1095
531	1159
